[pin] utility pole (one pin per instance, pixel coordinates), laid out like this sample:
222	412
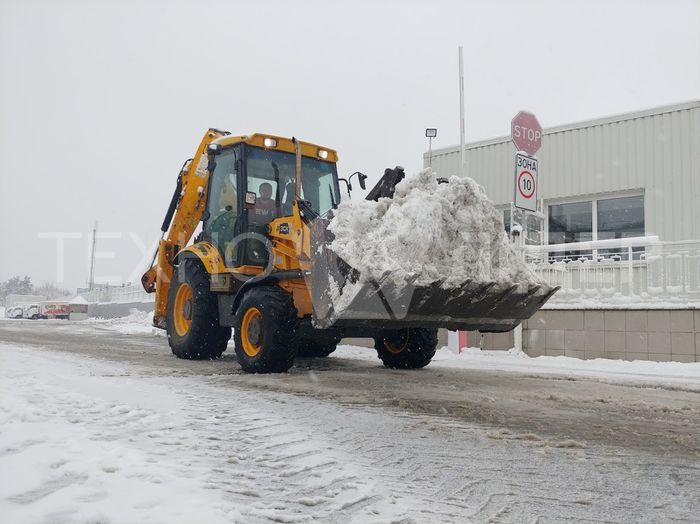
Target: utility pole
91	283
462	165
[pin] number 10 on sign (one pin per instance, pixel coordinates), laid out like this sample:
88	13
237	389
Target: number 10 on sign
526	170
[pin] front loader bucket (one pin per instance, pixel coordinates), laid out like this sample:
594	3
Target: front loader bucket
342	298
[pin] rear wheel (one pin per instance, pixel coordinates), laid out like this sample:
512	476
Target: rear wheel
193	315
266	334
408	348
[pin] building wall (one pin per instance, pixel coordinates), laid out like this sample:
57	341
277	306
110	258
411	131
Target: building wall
656	152
660	335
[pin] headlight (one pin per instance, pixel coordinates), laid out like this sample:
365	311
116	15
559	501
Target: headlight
270	142
323	154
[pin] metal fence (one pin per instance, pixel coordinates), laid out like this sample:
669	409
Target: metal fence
118	294
642	271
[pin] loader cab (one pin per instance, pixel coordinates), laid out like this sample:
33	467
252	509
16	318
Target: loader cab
250	186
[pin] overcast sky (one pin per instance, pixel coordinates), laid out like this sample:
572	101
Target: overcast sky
101	102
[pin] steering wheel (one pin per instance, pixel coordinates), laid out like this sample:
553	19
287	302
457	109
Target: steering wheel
224	226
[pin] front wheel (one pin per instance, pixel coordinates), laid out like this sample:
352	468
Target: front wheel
267	331
193	325
409	348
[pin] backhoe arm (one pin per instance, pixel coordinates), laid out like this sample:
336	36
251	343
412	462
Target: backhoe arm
183	215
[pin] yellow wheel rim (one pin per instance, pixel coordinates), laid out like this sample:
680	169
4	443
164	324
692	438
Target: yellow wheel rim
397	347
182	309
251	332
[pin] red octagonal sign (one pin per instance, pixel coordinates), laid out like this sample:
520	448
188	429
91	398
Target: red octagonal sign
526	132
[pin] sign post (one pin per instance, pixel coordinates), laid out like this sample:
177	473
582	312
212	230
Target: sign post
526	133
526	171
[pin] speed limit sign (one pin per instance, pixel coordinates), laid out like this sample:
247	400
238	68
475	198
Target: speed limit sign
525	182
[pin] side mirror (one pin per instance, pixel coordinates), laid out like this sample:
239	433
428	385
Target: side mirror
362	177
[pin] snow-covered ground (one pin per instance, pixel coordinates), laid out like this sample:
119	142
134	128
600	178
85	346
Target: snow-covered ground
91	440
85	442
99	423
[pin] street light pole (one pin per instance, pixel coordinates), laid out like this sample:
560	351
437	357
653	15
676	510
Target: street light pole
430	132
462	166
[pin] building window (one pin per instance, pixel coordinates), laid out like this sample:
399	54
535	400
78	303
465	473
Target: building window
533	227
597	219
620	217
571	223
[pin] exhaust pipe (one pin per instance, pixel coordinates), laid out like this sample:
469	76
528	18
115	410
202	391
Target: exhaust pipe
297	167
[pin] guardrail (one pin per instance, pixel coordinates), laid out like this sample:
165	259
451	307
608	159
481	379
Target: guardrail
641	270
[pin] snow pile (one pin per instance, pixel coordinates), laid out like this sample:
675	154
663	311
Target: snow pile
428	232
135	323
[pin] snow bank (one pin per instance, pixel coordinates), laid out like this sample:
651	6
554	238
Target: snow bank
678	374
428	231
135	323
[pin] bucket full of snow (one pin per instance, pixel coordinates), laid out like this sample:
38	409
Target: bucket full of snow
434	255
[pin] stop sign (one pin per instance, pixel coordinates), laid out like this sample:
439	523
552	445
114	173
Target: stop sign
526	132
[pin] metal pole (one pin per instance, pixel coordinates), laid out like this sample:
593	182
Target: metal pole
430	151
91	283
462	166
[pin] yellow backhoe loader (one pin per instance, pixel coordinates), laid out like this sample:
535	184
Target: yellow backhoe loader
262	265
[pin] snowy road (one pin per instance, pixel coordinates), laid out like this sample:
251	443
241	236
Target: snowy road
98	426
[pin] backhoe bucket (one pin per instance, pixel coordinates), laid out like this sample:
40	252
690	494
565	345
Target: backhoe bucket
343	298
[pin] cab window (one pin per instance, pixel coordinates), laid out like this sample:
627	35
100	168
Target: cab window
222	205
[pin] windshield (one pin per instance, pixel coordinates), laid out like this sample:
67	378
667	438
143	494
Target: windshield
319	181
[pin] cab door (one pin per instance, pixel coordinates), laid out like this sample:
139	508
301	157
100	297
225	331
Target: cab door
224	204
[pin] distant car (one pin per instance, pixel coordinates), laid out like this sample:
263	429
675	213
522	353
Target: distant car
32	311
15	312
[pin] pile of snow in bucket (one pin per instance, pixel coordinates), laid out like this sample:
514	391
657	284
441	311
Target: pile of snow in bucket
429	232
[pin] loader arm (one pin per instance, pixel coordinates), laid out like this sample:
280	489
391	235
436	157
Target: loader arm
184	213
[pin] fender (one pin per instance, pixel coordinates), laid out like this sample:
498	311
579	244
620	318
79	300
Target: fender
207	253
264	280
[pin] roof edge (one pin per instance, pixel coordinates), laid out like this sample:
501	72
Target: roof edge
621	117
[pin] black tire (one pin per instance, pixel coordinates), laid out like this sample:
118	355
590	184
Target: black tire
311	349
204	338
409	348
267	331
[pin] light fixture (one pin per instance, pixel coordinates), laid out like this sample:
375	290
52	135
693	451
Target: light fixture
431	132
323	154
270	142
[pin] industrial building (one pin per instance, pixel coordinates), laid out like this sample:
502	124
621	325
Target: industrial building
626	175
629	186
